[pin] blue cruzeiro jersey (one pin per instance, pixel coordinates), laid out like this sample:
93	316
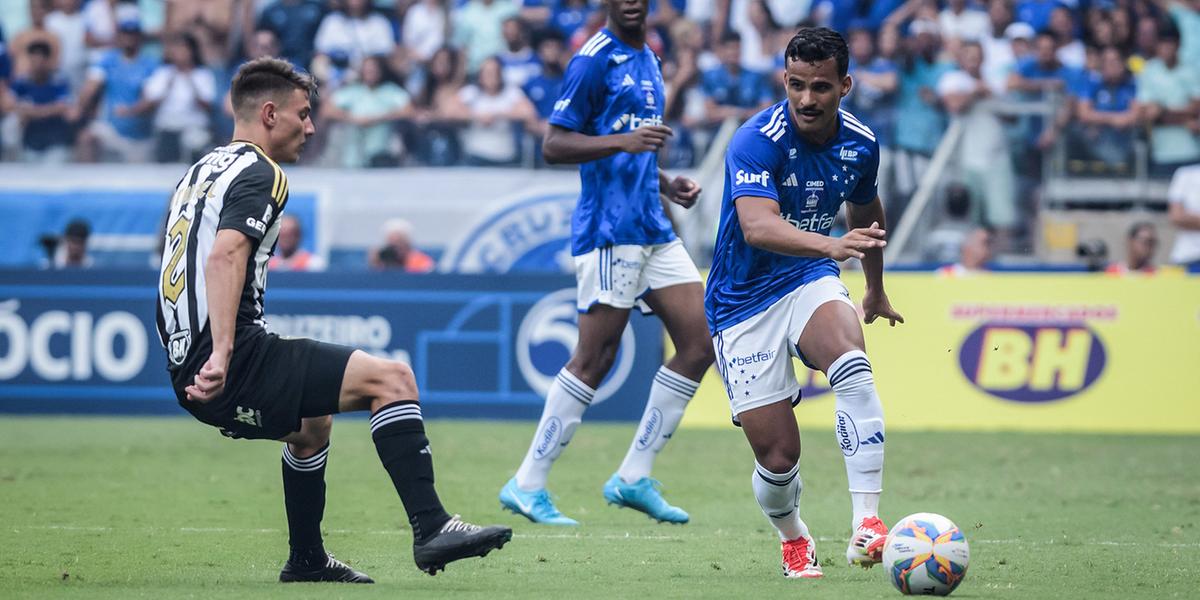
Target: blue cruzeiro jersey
766	158
611	88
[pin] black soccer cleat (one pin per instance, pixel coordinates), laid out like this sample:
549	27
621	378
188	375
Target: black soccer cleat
333	570
457	540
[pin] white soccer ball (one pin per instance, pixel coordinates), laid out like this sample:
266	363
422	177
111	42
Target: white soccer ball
926	554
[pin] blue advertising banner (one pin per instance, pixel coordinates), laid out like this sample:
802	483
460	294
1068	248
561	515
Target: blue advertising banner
481	346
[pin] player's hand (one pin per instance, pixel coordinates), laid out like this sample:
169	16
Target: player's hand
210	381
684	192
875	305
646	139
856	242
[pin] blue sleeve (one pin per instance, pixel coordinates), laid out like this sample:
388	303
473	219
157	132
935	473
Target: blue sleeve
868	186
752	164
582	93
5	66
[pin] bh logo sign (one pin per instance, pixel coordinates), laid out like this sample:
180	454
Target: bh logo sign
1038	362
547	338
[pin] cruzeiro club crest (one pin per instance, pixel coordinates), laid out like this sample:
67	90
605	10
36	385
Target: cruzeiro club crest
547	337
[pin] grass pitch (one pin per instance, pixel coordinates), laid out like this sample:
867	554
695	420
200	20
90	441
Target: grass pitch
167	508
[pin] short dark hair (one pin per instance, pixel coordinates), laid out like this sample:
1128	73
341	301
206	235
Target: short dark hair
266	76
815	44
1139	227
730	37
39	47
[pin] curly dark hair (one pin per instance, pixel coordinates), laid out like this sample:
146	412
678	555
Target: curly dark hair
815	44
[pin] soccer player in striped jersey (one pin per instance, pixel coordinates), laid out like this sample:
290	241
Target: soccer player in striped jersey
229	372
609	121
774	292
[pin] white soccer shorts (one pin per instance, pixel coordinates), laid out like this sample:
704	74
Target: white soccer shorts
619	276
754	357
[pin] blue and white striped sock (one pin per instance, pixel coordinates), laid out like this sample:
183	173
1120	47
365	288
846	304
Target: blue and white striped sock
669	396
566	402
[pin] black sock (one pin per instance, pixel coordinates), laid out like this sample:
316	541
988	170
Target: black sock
399	435
304	499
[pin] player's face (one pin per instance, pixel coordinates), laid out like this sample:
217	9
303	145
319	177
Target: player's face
293	126
815	91
628	15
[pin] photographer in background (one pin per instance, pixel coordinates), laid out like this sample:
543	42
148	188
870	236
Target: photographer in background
69	251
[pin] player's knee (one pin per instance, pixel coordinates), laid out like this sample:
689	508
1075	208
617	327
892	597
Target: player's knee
780	460
697	357
591	365
313	436
397	382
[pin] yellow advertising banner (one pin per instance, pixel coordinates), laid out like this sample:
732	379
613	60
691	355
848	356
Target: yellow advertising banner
1034	352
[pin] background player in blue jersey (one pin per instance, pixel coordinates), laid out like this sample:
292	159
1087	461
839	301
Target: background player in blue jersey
774	293
609	121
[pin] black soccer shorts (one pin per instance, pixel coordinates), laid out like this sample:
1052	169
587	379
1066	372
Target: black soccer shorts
272	384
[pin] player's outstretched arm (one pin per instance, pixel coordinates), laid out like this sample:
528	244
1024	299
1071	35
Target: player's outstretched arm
875	300
564	146
763	227
224	276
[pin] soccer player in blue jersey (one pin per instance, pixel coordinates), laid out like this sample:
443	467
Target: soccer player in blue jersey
774	292
609	121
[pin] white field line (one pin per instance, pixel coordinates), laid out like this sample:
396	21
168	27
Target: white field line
572	536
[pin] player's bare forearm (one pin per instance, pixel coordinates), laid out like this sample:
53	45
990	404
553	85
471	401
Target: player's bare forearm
864	215
563	146
1181	218
225	275
764	228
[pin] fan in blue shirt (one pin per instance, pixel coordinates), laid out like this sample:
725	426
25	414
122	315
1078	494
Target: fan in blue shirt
774	292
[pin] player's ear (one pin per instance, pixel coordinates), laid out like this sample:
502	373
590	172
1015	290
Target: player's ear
847	83
269	113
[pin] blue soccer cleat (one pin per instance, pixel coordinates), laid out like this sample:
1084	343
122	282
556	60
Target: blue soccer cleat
535	506
643	496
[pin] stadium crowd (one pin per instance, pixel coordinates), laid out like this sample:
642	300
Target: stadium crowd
471	82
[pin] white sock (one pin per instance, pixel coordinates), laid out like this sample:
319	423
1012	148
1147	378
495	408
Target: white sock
778	495
669	396
565	402
858	423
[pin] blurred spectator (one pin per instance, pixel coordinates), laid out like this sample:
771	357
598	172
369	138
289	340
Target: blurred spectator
731	91
369	110
918	107
71	250
1145	45
424	29
544	89
1093	254
942	245
295	24
43	105
983	151
477	29
353	33
440	110
876	79
102	19
117	79
1183	209
37	32
974	255
1108	112
1070	50
761	38
1041	77
961	21
210	22
1169	92
66	21
536	12
497	111
999	55
182	92
1186	15
1037	13
1140	245
289	256
520	62
568	15
398	252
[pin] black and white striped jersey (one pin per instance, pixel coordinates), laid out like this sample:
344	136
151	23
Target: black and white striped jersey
233	187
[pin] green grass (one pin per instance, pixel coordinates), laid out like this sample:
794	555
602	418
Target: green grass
166	508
